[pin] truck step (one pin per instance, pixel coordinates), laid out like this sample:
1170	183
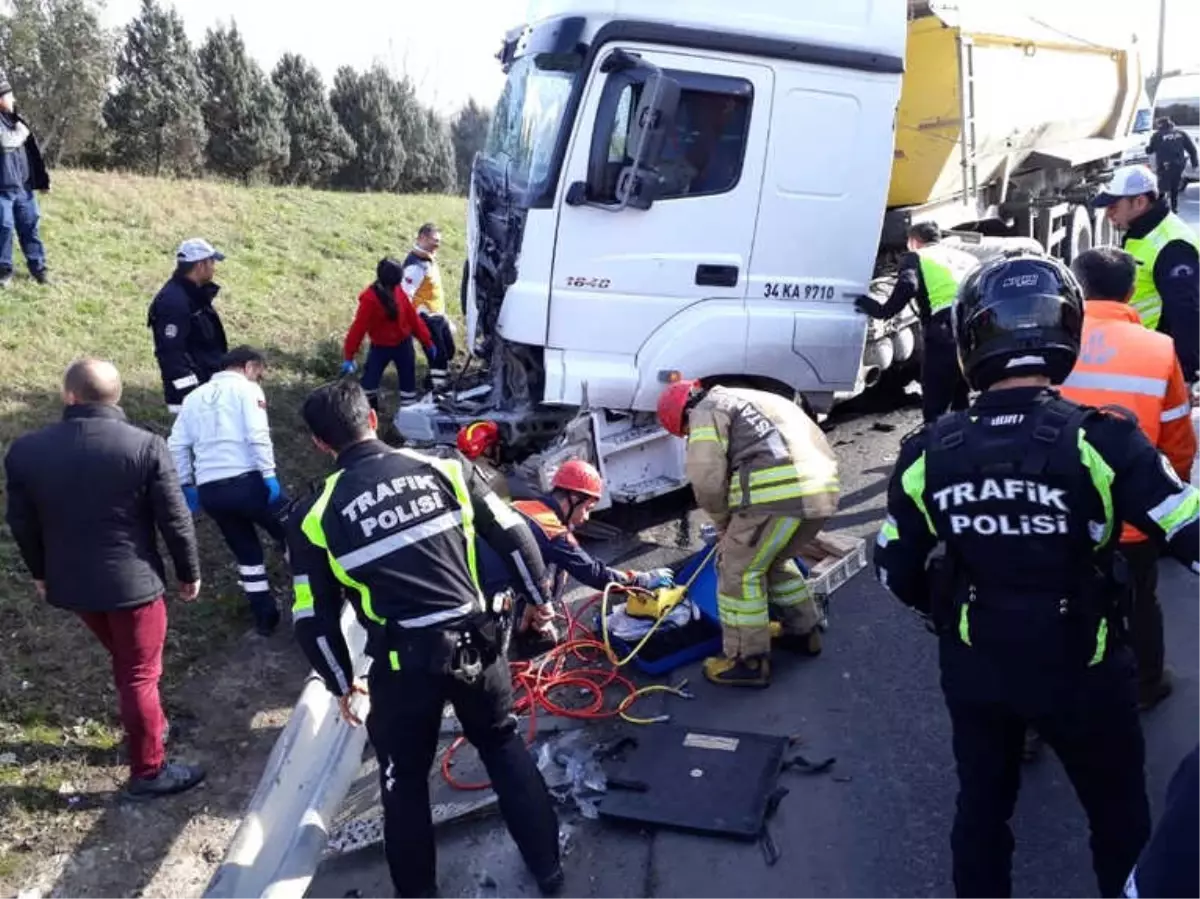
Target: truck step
631	439
832	560
640	491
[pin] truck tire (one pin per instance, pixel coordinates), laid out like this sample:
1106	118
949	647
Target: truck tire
1103	234
1080	236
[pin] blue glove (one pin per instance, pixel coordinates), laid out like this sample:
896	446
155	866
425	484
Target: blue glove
655	578
274	491
192	495
348	367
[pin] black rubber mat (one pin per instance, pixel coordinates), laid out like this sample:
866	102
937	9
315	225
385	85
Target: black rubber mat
695	779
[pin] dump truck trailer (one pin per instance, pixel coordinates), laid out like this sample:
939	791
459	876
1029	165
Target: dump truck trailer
704	188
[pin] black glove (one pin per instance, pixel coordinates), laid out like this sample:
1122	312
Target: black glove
866	306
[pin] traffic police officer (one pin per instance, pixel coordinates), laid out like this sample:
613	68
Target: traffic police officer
1026	492
930	273
398	528
189	338
221	443
1166	292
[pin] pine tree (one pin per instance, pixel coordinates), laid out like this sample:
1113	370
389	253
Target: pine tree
320	145
443	179
60	61
242	110
366	109
468	133
154	116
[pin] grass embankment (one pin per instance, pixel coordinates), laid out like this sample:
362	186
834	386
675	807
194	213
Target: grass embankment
296	262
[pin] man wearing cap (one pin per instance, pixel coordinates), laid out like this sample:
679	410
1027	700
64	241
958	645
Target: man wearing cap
1166	295
22	171
189	339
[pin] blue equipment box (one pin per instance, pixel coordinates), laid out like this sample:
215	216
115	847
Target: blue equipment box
698	640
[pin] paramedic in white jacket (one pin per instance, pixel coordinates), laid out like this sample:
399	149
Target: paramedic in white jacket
221	444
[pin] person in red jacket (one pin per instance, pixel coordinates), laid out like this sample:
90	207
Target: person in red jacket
387	317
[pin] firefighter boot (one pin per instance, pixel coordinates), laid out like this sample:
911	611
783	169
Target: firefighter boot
752	671
805	644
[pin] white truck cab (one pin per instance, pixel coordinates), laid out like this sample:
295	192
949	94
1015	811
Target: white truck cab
703	188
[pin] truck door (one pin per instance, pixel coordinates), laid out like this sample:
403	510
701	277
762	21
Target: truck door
618	276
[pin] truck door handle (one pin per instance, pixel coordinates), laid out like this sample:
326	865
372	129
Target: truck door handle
717	275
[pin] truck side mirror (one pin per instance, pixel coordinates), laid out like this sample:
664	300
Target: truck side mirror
638	183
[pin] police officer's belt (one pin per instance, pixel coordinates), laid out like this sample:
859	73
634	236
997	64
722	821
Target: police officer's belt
462	648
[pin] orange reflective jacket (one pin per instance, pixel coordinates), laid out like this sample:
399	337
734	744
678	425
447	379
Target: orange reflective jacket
1124	364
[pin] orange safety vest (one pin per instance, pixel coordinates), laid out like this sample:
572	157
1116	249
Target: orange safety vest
1124	364
545	517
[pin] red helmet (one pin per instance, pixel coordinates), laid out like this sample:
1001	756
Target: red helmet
477	438
577	476
672	402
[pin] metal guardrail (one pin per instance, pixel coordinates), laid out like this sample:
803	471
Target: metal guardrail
278	846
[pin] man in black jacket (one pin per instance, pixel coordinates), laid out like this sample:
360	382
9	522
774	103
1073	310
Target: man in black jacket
189	338
85	497
22	171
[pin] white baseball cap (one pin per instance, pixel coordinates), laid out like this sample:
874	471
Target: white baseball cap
197	249
1127	181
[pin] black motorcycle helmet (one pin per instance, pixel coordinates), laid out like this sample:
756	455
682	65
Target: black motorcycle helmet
1018	315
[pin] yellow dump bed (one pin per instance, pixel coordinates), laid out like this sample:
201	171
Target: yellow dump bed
1039	86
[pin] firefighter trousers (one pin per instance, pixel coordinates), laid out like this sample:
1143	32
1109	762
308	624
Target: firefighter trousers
756	568
403	726
1088	717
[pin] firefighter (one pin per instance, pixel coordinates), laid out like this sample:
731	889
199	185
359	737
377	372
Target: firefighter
386	316
575	490
221	444
930	273
767	478
1171	149
189	337
398	528
1166	291
1122	364
1025	493
480	442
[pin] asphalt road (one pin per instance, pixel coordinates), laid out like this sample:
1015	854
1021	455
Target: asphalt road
880	826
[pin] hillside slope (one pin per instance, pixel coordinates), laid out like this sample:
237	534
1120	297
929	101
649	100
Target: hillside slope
296	262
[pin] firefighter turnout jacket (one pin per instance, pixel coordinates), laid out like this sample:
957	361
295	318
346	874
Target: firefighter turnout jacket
397	529
1125	365
749	450
1027	492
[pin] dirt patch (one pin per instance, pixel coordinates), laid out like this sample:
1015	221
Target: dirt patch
66	832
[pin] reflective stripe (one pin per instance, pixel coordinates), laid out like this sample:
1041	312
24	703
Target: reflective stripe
964	625
888	532
1095	380
1177	511
338	674
773	493
913	482
188	381
453	472
705	434
531	587
255	586
432	618
315	532
1178	412
394	659
1101	643
790	594
736	612
754	575
174	408
415	534
302	604
505	515
1102	476
252	569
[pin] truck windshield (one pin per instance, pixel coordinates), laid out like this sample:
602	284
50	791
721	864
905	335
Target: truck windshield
527	121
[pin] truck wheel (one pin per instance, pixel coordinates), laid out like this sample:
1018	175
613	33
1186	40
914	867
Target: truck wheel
1080	237
1102	230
